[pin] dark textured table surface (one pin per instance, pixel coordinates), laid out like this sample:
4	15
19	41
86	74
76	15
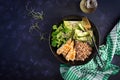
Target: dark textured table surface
23	56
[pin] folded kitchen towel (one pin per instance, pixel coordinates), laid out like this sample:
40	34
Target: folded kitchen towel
92	70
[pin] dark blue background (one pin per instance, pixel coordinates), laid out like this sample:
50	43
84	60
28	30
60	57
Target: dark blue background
24	56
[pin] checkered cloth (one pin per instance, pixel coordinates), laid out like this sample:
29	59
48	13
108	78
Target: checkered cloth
94	70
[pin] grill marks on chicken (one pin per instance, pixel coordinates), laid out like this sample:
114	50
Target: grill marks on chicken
67	50
64	49
72	53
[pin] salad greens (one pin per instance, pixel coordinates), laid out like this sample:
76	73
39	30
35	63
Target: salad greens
65	31
60	34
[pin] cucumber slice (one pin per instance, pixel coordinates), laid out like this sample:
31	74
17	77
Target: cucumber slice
82	39
79	33
81	27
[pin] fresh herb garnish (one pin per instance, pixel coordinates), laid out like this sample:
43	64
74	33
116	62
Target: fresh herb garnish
34	26
36	15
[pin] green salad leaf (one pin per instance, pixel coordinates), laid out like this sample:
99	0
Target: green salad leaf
58	35
54	27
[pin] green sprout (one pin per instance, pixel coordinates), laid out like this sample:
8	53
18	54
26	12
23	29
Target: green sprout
36	15
35	26
42	36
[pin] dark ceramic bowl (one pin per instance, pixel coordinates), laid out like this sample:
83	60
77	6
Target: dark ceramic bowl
61	58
